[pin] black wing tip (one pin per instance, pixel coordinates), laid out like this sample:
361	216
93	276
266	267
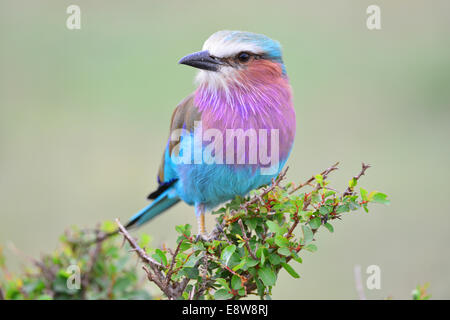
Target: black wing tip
153	195
131	223
162	187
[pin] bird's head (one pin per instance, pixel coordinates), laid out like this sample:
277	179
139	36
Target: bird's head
236	57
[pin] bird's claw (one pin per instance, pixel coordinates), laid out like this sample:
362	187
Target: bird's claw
202	237
207	237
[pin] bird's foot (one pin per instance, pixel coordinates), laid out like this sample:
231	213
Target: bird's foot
213	235
203	237
216	232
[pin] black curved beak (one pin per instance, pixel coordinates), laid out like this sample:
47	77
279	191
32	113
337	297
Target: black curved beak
201	60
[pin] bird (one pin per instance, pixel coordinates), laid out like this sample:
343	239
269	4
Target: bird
242	104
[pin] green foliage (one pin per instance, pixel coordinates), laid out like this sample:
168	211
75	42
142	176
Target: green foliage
420	292
260	235
255	239
105	271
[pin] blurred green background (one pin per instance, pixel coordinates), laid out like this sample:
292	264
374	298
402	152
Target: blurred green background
84	116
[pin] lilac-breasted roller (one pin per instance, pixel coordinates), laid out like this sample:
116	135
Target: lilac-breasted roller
233	134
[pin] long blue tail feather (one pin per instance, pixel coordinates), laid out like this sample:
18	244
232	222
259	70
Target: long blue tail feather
163	202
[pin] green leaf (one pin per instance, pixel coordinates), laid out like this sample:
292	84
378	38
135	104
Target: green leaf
284	251
239	266
378	197
319	179
325	209
252	223
353	205
290	270
185	245
179	229
363	193
236	282
267	276
342	208
260	288
315	223
281	241
108	226
353	182
191	273
416	294
222	294
144	240
273	227
184	229
315	197
311	247
223	283
329	227
192	261
307	234
296	257
328	193
162	255
251	262
274	259
198	246
261	253
227	253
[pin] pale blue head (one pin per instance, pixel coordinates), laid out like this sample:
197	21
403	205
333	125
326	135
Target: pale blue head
226	43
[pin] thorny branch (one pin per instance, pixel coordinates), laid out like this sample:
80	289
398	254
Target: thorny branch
307	201
310	180
349	190
172	289
247	245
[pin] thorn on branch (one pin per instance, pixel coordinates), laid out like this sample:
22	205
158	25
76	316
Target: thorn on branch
135	247
172	263
324	174
349	190
246	240
226	224
171	289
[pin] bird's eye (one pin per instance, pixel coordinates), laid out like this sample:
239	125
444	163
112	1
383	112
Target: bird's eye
243	57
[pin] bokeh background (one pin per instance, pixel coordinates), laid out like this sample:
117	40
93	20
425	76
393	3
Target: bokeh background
84	116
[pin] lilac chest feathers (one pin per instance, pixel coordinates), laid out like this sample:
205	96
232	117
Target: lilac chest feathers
260	107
